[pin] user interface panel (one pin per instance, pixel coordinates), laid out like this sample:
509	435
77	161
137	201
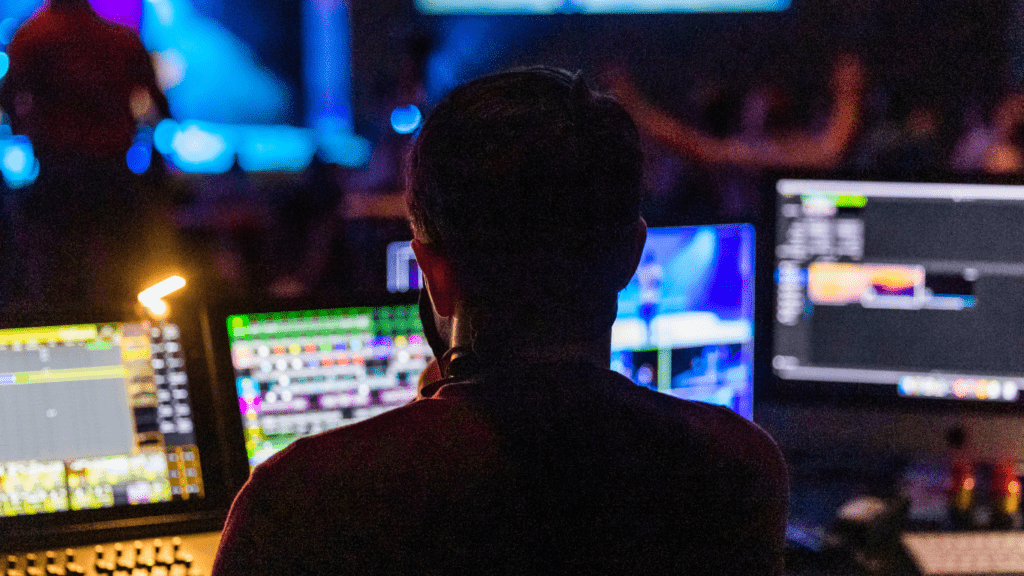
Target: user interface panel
94	416
299	373
685	322
915	286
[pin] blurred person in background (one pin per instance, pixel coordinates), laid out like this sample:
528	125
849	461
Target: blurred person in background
767	138
995	146
78	87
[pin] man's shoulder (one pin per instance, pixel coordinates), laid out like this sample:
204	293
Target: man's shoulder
351	448
720	431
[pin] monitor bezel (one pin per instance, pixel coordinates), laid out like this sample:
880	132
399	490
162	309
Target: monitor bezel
770	388
142	520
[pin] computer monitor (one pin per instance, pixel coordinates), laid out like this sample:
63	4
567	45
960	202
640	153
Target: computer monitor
905	289
892	317
298	372
102	427
685	323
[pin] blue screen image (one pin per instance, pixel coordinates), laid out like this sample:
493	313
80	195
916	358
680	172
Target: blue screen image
685	323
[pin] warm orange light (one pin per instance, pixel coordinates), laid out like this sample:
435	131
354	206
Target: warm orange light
1014	487
152	297
162	288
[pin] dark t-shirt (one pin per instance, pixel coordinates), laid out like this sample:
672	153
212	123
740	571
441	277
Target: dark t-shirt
71	82
567	469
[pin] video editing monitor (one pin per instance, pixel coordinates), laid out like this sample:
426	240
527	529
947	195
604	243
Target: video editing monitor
301	372
911	289
98	425
685	322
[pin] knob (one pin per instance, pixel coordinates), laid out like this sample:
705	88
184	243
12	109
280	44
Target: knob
12	566
51	564
33	568
123	560
99	565
162	556
73	568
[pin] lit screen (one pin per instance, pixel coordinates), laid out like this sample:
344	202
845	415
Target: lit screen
908	285
303	372
596	6
94	416
685	323
403	270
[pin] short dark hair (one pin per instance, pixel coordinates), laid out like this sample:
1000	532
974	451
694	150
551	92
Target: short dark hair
530	183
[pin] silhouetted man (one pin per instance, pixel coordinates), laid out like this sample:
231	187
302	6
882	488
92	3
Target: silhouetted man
525	454
78	87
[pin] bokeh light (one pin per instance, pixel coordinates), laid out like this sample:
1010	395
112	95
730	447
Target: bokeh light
406	119
18	162
8	26
139	157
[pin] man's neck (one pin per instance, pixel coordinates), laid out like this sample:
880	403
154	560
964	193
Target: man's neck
541	349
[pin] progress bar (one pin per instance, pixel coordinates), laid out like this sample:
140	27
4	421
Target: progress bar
63	375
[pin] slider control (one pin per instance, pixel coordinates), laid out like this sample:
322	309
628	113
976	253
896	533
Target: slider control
52	568
12	566
33	568
73	568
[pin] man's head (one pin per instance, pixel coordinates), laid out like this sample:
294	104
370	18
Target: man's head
526	185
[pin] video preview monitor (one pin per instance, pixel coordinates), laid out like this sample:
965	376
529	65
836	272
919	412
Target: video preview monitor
95	416
685	323
301	372
911	289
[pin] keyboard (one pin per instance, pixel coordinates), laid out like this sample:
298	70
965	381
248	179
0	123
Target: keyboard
189	555
949	553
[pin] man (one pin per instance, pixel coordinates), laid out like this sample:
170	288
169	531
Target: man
78	87
529	456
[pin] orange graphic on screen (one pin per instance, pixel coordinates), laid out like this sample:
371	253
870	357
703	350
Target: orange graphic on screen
896	280
834	283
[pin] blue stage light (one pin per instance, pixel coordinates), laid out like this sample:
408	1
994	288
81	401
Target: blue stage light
163	136
406	119
8	26
275	148
5	63
15	159
347	150
205	148
18	162
139	157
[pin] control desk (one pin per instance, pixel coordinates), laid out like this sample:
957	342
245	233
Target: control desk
189	555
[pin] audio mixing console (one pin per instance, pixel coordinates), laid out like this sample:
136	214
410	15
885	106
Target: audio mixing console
188	555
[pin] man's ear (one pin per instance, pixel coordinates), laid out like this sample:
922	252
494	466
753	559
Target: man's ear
439	276
630	266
